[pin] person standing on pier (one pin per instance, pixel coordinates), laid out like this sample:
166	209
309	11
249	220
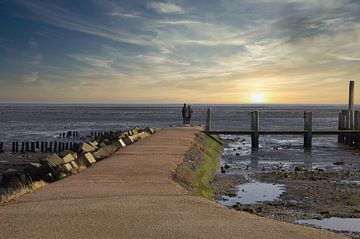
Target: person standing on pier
184	114
189	114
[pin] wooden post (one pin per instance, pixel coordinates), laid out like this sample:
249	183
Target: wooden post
340	127
22	147
27	147
37	145
208	121
55	146
351	104
255	129
356	137
32	147
42	147
13	147
16	147
307	129
1	147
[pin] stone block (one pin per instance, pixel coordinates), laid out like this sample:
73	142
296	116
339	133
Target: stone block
86	147
69	157
149	130
94	143
67	168
89	158
121	143
74	165
55	160
128	140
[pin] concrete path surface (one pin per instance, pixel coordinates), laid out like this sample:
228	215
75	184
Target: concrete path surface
132	195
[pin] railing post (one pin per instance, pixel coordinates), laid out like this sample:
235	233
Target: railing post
357	127
208	121
307	129
255	129
341	127
351	104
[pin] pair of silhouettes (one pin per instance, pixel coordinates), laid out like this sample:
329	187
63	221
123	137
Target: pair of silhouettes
187	114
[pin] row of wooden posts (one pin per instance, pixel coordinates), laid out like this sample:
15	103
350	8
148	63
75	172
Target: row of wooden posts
76	134
70	134
52	146
43	147
348	126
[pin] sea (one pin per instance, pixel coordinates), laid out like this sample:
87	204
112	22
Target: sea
44	122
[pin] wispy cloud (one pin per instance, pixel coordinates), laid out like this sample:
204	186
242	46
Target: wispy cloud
206	51
166	7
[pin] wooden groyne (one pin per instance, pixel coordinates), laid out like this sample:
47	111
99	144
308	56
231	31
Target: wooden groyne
348	131
69	158
69	140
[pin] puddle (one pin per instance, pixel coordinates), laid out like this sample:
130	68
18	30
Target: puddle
335	223
254	192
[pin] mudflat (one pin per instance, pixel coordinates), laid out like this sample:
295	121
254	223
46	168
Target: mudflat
132	194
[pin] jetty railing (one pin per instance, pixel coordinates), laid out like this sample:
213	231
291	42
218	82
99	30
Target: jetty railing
348	127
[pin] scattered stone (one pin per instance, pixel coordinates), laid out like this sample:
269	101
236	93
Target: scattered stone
86	147
55	160
299	168
69	157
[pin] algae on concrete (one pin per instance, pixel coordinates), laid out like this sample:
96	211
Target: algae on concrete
206	172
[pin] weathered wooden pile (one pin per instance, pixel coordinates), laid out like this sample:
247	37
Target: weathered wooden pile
348	131
68	162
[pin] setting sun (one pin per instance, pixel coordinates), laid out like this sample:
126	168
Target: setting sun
257	98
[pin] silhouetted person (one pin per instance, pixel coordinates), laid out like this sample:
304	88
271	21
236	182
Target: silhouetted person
184	114
189	114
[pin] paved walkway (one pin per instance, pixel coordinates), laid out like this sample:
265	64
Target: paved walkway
132	195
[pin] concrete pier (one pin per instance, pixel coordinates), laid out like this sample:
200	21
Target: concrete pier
132	194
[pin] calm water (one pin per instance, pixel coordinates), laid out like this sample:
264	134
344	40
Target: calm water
335	223
39	122
254	192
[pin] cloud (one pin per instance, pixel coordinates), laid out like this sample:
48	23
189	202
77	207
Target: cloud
31	77
126	15
166	7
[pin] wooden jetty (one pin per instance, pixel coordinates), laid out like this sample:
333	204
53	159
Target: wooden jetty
348	127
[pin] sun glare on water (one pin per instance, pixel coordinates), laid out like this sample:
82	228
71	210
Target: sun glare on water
257	98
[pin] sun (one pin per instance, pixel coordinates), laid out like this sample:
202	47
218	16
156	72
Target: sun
257	98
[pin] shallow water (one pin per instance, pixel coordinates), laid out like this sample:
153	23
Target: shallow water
254	192
335	223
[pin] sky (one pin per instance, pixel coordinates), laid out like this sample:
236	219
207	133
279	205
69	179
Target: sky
196	51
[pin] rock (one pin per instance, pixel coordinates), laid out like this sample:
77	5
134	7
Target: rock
226	166
222	169
74	165
89	159
69	157
121	143
32	170
67	168
55	160
85	147
149	130
339	163
128	140
299	168
94	143
249	210
12	176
